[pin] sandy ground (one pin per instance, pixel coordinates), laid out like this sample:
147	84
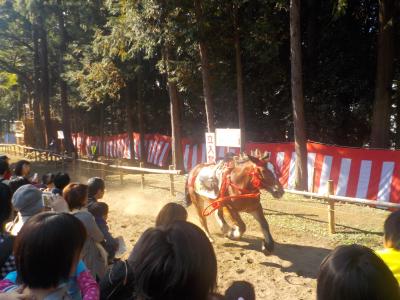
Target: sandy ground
298	225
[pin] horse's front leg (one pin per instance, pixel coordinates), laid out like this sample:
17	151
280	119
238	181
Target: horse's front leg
219	216
239	227
268	244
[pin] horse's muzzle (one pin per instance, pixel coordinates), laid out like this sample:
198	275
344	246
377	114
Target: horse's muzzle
277	191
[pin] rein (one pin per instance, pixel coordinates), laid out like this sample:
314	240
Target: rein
226	183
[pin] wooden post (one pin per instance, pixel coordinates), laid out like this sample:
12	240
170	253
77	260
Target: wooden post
103	172
331	208
121	176
171	179
141	176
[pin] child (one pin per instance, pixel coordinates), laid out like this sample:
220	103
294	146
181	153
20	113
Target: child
355	272
171	212
391	254
99	210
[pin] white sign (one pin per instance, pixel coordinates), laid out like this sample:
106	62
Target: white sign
228	137
60	134
211	150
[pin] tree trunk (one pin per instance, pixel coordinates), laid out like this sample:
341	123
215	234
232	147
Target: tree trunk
297	96
129	100
45	81
205	68
177	159
380	126
39	137
140	116
66	116
239	77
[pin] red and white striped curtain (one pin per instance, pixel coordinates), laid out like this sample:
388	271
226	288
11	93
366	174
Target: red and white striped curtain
356	172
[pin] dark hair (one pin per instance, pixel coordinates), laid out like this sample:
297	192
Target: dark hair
4	167
98	209
47	247
16	182
392	230
48	178
19	165
176	261
95	184
5	205
171	212
61	180
75	194
239	289
355	273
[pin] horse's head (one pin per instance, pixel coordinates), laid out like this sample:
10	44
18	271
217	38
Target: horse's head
266	174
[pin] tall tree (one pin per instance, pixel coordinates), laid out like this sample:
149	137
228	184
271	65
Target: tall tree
297	96
65	115
44	69
380	126
205	66
239	74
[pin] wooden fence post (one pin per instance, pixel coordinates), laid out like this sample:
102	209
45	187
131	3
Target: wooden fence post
331	208
171	179
141	165
121	174
103	172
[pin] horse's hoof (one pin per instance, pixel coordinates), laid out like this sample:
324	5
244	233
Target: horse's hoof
234	233
267	249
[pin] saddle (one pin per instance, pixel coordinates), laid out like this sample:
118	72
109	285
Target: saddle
209	180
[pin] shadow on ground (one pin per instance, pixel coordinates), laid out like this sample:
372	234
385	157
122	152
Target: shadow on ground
303	260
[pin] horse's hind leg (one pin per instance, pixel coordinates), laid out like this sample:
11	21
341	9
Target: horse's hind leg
199	204
268	244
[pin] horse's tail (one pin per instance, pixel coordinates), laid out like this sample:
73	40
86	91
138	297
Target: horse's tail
187	201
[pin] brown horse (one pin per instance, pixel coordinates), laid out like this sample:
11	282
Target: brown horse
243	179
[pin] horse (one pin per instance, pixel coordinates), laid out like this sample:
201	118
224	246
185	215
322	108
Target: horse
238	191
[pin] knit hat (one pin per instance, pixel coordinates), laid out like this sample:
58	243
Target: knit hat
28	200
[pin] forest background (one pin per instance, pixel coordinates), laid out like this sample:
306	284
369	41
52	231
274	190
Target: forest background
112	66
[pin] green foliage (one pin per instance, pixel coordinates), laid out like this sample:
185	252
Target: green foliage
115	46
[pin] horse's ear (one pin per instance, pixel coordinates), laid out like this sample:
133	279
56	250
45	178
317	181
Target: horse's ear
266	155
254	160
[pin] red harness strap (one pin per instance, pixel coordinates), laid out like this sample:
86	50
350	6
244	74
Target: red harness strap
226	183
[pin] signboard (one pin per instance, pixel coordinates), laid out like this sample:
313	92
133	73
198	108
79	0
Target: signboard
211	150
228	137
60	134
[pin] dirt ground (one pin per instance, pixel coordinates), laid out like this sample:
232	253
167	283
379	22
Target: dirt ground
299	226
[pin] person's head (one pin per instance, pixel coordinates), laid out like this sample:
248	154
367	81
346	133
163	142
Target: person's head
5	158
96	188
240	290
27	200
4	167
22	168
61	180
16	182
355	273
47	249
176	261
171	212
99	210
75	194
48	180
392	230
